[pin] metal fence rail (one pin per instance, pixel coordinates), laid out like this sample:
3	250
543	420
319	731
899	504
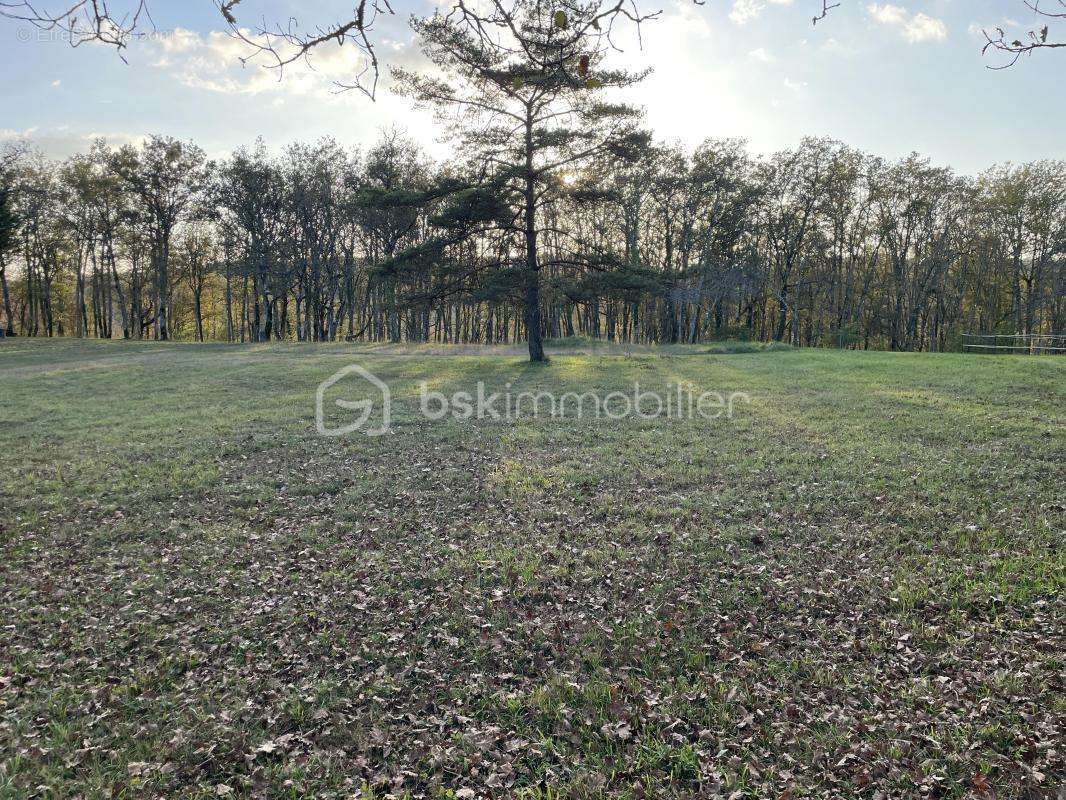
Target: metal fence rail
1034	344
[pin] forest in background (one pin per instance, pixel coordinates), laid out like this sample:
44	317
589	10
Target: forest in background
822	245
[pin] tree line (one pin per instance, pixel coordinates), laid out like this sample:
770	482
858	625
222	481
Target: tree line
819	245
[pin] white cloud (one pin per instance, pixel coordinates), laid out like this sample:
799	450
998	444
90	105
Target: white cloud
794	86
745	11
888	14
213	62
923	28
919	27
56	83
760	54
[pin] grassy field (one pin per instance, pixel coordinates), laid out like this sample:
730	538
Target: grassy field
851	589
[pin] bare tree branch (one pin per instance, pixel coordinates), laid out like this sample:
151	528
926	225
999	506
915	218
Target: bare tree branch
283	44
85	21
279	44
1037	38
1034	39
81	21
826	8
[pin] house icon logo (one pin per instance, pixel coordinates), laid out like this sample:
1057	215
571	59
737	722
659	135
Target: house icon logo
378	394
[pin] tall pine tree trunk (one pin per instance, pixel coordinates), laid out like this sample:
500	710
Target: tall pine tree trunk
532	273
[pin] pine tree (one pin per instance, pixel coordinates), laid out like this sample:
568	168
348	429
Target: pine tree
521	87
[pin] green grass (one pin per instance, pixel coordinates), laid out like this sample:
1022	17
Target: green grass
852	587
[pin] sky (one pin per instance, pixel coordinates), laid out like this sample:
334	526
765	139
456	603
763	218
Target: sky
889	78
